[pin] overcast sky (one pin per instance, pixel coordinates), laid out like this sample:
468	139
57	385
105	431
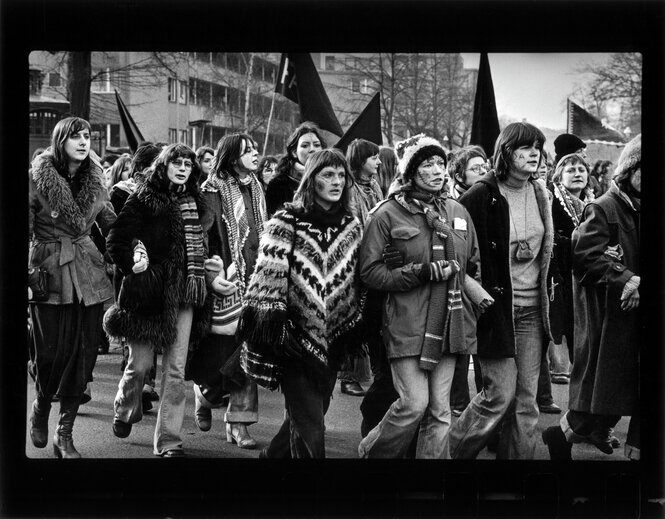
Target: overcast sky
535	86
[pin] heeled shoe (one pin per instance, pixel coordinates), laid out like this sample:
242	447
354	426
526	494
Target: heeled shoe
202	416
237	433
352	388
557	444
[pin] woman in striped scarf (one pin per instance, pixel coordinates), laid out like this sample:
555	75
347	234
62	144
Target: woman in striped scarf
157	245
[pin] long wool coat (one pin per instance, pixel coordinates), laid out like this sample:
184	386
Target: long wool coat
606	253
489	211
147	306
59	227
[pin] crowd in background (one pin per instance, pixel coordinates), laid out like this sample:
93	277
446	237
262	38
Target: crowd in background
389	268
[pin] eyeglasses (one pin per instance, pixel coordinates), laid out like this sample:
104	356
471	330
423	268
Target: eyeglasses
179	162
478	167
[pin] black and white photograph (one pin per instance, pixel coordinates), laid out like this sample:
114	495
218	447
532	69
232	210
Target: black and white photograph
306	269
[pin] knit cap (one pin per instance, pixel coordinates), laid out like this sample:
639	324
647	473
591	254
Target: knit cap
413	151
565	144
629	158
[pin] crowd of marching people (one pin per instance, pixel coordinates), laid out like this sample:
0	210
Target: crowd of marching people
400	266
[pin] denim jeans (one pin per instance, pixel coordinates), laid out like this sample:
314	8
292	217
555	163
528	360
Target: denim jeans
506	381
171	414
423	405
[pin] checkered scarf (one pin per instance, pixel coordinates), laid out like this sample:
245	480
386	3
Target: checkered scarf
195	288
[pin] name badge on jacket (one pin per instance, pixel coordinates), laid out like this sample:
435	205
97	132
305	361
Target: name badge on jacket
459	224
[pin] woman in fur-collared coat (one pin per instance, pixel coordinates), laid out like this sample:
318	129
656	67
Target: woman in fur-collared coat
157	244
67	277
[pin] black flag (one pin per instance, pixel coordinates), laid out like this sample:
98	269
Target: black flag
587	127
132	131
367	126
485	126
299	81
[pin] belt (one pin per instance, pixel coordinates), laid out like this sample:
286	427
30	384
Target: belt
66	246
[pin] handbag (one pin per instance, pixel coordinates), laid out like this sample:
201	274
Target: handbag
226	309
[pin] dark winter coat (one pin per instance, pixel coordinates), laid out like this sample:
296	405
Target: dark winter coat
280	191
407	297
59	227
489	211
148	303
606	254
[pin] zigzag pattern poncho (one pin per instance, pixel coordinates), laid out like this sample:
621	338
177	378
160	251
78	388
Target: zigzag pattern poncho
323	290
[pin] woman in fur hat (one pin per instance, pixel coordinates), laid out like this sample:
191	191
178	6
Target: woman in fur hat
157	245
233	222
304	301
67	277
425	322
512	215
606	265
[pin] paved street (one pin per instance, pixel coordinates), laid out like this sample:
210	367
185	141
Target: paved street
94	438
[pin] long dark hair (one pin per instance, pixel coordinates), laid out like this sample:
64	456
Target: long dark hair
229	150
387	169
267	159
64	129
118	166
512	137
159	177
289	158
303	200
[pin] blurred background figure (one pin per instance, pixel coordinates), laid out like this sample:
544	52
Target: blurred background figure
387	168
205	156
267	170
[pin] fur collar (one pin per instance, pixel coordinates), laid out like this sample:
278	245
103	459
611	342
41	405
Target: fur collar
157	199
51	185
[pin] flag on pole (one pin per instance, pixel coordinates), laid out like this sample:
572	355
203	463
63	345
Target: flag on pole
587	127
367	126
485	125
299	81
132	132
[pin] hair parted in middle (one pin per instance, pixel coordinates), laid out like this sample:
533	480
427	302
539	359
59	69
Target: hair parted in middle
458	160
289	158
229	149
172	152
512	137
64	129
118	166
303	199
358	152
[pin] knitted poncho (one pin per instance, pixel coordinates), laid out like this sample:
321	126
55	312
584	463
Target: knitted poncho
323	290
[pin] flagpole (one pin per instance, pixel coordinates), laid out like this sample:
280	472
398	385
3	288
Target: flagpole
272	106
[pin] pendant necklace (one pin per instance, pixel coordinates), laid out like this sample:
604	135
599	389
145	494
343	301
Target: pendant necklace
523	252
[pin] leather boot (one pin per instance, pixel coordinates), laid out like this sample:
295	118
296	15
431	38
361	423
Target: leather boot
39	422
557	444
63	443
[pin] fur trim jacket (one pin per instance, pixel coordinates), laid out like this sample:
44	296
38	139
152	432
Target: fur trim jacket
59	224
147	307
489	210
321	296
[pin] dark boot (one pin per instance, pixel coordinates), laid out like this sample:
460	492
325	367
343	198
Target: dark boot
560	449
39	422
63	444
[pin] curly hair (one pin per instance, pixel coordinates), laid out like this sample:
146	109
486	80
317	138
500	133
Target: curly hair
169	154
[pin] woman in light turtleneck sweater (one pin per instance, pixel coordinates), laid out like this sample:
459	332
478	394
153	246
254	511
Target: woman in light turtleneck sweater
303	142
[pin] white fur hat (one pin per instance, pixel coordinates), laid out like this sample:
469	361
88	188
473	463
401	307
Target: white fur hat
412	151
630	156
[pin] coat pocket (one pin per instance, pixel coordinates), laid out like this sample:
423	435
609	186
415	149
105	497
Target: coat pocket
404	232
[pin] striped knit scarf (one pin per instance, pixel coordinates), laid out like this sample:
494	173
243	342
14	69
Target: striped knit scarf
444	330
571	204
235	214
195	288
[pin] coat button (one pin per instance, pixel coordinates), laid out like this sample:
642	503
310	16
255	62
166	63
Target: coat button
493	245
618	267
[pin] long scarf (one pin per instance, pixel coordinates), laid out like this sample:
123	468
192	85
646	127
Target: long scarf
195	288
365	195
235	214
572	205
444	329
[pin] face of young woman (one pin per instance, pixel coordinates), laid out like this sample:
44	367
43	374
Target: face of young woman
329	186
307	144
476	168
125	171
524	161
206	163
178	170
249	158
542	169
636	180
77	146
431	174
574	177
370	166
269	171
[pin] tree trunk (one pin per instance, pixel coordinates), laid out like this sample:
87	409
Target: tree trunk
79	71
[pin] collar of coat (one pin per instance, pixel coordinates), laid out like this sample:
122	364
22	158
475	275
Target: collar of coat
158	199
56	190
614	188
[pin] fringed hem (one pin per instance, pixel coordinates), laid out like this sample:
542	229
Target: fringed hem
261	325
195	292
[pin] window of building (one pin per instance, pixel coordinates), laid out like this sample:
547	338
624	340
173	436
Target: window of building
355	84
219	99
54	79
42	122
35	82
173	90
173	135
203	93
203	56
102	84
236	61
330	63
182	92
219	59
364	87
184	134
192	91
236	100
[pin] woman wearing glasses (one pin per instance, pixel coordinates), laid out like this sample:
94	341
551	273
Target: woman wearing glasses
466	167
157	245
232	224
